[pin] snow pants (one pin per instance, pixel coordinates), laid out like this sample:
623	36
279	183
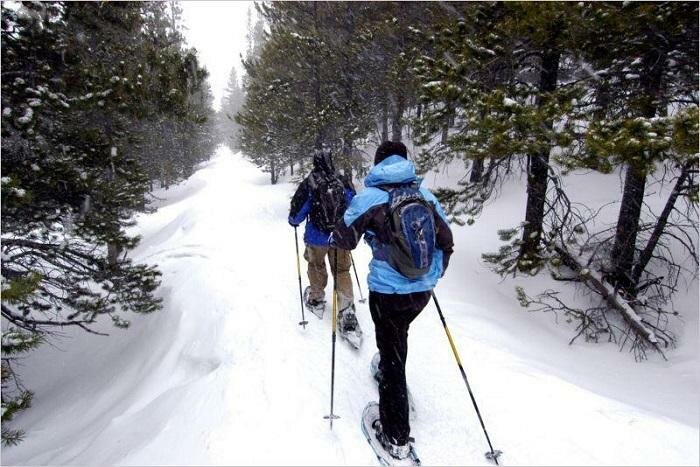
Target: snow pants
318	275
392	315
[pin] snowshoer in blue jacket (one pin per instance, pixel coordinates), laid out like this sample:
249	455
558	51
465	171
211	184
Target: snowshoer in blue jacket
399	287
321	200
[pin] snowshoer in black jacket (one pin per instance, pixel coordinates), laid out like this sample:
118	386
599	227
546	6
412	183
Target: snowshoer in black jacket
411	245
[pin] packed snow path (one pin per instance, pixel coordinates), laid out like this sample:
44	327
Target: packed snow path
224	375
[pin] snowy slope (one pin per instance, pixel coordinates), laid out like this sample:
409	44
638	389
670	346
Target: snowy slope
223	374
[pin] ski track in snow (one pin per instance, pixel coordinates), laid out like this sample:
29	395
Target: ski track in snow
224	375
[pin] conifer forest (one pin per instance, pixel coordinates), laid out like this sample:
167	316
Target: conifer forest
149	285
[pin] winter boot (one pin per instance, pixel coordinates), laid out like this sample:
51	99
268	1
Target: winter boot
347	320
349	327
396	451
387	452
317	307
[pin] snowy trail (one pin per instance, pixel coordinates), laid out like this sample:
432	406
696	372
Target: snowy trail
224	375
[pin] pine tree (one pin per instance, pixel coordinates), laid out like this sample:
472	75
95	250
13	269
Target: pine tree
231	103
498	73
87	89
645	59
322	77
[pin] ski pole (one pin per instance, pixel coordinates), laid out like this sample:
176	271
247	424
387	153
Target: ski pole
362	299
303	321
332	416
492	454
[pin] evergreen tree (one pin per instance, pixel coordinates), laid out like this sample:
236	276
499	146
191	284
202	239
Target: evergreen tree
231	103
323	75
500	74
87	90
645	58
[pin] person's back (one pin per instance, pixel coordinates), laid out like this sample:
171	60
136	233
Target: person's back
396	297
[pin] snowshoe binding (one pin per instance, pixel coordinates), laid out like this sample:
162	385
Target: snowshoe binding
388	454
349	327
377	376
317	307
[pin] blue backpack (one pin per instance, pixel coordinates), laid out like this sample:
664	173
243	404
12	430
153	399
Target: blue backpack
411	226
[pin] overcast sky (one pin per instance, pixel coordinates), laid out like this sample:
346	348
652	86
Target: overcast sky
217	29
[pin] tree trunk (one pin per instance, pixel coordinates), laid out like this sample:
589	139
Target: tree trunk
449	122
477	171
397	118
538	165
627	227
385	119
622	254
614	300
113	251
646	254
273	172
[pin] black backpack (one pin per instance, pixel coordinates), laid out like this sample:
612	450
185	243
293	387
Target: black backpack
327	200
411	227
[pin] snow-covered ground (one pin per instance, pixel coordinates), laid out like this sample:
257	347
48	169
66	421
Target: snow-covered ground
224	375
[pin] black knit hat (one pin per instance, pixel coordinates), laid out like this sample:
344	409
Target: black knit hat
390	148
323	160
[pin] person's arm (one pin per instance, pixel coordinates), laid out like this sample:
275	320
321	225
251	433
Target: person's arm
443	233
347	183
357	219
300	205
443	239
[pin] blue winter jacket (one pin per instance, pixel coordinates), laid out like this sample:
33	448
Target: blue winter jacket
367	215
300	212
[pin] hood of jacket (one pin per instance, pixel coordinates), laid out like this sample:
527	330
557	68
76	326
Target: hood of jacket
392	170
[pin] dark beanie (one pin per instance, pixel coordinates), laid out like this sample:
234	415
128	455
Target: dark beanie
389	148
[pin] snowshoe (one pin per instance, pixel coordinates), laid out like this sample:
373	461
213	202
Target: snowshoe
317	307
349	327
388	454
377	375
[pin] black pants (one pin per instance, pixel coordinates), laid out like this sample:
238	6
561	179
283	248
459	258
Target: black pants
392	314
